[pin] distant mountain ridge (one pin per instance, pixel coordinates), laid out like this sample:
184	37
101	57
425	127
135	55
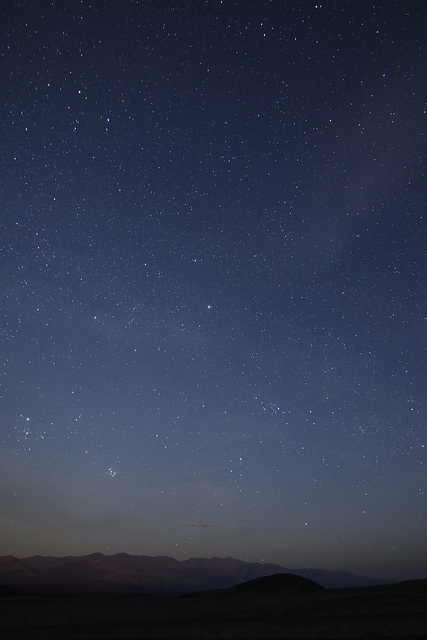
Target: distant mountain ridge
123	573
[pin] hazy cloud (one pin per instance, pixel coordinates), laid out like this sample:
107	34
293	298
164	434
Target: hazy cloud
199	525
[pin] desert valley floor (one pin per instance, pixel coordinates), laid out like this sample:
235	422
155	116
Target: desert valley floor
280	606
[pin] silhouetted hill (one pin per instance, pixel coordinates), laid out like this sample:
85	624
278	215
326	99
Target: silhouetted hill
279	584
123	573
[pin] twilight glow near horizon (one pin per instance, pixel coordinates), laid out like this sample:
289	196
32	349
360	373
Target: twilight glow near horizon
213	281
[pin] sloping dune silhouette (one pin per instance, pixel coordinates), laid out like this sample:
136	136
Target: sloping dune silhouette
276	585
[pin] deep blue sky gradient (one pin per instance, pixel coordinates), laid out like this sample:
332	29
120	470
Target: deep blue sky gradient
212	281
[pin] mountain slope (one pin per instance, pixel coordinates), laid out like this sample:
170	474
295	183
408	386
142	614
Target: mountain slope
123	573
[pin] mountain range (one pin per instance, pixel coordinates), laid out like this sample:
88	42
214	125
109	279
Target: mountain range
123	573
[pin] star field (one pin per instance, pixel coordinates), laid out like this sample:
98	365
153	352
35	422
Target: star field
212	283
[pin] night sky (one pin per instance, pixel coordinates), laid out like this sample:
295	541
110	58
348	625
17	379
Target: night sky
213	279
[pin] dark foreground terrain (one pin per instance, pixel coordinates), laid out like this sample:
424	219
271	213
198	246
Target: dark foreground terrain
279	606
